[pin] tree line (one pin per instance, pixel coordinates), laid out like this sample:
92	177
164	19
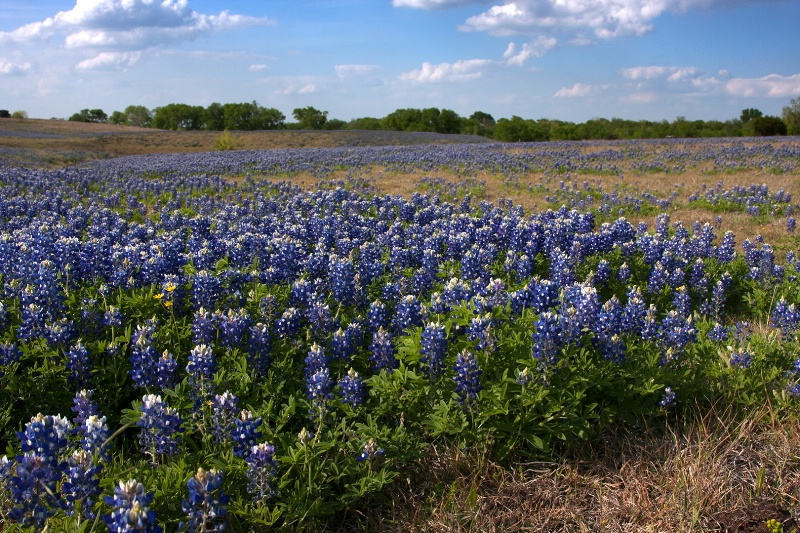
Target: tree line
253	116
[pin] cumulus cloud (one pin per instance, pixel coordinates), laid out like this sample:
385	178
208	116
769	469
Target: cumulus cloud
577	90
463	70
129	24
258	67
536	48
11	68
605	19
773	85
344	71
109	61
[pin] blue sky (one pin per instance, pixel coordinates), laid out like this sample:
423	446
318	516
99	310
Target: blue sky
563	59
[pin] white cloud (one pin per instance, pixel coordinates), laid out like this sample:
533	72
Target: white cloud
463	70
307	89
10	68
258	67
536	48
435	4
109	61
577	90
605	19
130	24
344	71
773	85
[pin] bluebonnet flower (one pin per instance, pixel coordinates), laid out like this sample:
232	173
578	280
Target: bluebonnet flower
342	276
83	407
433	349
160	427
624	272
223	414
377	316
383	351
457	291
9	353
481	331
785	317
94	436
681	301
245	433
742	359
369	452
319	384
204	327
791	225
82	484
603	271
207	503
409	314
675	334
288	324
201	369
319	317
545	295
33	488
79	365
548	338
258	349
351	388
165	370
129	512
206	289
60	332
261	472
467	378
668	398
33	322
144	357
113	317
658	278
233	327
45	436
718	333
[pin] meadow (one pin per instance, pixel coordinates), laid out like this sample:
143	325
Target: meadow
574	336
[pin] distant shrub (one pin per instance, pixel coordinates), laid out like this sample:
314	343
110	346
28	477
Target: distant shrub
226	141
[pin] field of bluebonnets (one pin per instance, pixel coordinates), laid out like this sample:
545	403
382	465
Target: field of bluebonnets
245	339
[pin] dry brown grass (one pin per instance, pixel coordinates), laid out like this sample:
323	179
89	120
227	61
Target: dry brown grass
713	474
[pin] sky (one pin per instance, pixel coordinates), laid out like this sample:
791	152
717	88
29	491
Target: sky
569	60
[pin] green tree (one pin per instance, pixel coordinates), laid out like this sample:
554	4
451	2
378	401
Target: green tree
310	118
20	113
118	117
479	123
214	118
4	113
364	123
89	115
749	114
791	116
138	115
178	117
517	129
768	125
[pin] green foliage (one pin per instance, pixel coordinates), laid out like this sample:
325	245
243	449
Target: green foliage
226	141
310	118
89	115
